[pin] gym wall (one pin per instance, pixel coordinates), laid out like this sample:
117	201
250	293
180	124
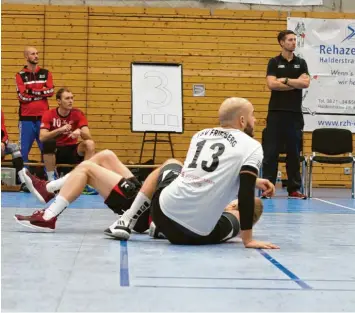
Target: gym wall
90	49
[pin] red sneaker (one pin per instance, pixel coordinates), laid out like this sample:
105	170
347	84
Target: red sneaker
296	195
36	221
37	187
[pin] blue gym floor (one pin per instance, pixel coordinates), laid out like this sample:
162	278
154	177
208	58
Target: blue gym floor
78	268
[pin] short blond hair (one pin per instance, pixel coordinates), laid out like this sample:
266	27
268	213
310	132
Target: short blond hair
258	210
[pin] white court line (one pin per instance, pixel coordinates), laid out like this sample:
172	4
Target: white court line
336	204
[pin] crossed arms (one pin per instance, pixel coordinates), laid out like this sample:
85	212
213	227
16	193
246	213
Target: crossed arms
286	84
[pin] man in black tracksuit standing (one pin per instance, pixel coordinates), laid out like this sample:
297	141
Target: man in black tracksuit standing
287	75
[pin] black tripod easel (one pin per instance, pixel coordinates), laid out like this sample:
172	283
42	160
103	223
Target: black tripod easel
155	140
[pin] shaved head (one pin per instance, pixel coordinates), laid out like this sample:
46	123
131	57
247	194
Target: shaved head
232	108
237	113
31	55
28	50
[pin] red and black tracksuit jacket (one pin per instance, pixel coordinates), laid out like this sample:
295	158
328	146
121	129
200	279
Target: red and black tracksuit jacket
33	89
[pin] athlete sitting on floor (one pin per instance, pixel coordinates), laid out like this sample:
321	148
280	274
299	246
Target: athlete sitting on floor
188	202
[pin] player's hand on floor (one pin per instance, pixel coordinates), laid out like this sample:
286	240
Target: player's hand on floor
255	244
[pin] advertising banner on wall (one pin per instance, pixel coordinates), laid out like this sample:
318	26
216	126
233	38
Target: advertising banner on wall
328	46
278	2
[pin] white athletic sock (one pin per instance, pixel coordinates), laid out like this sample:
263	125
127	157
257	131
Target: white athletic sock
50	175
57	184
20	175
140	204
57	207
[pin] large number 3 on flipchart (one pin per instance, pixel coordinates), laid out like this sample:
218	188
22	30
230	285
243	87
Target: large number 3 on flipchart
160	86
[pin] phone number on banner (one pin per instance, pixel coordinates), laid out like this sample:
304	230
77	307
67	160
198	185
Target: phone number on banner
335	101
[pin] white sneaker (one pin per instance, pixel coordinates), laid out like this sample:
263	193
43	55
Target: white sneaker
119	230
154	232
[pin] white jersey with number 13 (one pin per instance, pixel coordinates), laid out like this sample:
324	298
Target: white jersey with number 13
210	178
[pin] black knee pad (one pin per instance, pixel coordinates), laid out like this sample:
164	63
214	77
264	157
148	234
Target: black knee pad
49	146
123	195
128	188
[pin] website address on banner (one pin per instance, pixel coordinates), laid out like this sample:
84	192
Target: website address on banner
334	123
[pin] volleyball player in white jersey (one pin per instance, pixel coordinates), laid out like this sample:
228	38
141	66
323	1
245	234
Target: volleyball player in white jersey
187	202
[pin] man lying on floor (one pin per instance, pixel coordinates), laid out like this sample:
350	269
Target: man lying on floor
116	183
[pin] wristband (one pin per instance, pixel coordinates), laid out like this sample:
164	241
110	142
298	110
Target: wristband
286	80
